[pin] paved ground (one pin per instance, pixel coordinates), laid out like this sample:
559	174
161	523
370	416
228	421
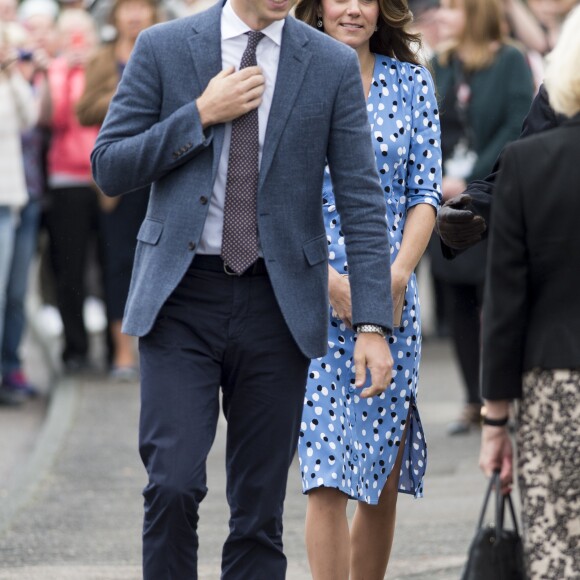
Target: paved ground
70	504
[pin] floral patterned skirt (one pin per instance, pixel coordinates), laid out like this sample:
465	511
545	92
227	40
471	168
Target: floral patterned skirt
548	441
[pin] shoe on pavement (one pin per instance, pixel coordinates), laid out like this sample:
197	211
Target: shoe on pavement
124	374
17	381
77	365
470	418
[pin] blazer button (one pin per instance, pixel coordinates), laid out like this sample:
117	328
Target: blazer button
191	246
203	200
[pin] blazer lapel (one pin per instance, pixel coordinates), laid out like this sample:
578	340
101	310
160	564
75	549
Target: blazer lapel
205	44
291	69
206	62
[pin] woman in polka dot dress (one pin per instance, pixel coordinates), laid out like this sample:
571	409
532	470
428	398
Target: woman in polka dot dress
350	447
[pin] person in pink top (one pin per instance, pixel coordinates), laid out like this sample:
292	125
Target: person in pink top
72	213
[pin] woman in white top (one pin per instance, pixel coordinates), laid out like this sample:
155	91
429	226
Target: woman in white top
18	111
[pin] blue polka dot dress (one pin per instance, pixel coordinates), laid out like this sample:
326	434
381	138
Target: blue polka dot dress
347	442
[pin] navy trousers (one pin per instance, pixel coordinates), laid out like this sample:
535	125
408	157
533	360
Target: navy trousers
218	330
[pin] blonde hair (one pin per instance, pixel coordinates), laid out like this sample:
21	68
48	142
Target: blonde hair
562	78
481	33
76	18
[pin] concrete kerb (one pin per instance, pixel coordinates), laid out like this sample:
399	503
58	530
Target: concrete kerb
63	396
63	402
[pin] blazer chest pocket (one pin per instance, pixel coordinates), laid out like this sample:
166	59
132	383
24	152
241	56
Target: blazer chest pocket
309	111
150	231
316	250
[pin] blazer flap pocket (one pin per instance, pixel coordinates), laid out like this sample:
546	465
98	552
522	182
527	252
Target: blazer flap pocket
150	231
316	250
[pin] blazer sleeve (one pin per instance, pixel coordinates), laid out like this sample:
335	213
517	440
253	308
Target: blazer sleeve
135	146
506	295
360	201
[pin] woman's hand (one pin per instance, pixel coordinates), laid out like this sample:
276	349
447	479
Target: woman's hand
496	454
399	281
339	295
41	60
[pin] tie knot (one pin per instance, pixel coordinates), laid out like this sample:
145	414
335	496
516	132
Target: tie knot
254	38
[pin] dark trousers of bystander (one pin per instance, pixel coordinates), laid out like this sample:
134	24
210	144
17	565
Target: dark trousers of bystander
463	309
119	228
71	221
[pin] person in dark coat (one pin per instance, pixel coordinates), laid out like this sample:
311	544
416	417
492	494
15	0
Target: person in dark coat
531	325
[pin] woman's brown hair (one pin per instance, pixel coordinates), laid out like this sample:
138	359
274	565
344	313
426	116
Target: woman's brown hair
153	4
481	36
392	37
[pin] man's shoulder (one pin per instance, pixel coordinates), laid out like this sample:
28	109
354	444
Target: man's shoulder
169	28
184	25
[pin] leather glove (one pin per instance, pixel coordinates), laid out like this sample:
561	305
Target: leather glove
457	225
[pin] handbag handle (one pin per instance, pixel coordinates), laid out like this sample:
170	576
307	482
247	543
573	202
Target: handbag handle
500	501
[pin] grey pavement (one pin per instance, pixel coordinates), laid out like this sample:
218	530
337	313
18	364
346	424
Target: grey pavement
70	493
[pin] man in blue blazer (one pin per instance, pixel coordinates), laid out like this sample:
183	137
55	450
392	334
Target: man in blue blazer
201	323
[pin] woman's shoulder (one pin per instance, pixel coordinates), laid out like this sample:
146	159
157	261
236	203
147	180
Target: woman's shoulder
408	72
394	64
511	54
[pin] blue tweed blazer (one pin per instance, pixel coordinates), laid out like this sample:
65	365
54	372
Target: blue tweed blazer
152	135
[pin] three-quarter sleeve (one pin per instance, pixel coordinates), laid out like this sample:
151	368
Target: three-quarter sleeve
424	165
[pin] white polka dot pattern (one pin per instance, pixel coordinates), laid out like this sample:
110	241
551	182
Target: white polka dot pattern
240	233
347	442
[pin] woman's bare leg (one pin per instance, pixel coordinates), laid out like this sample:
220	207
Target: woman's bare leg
373	528
327	536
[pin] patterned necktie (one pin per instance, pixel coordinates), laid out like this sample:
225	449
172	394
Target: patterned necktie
240	233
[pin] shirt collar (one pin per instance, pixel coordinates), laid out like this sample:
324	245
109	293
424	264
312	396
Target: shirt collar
232	26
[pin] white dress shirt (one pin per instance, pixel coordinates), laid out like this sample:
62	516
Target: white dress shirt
233	44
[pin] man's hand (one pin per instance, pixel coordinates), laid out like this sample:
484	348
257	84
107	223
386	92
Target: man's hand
457	225
372	351
496	454
230	95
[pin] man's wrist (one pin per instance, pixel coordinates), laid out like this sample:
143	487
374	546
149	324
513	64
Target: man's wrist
204	117
369	328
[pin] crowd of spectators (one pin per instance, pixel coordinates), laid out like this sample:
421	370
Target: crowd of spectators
59	66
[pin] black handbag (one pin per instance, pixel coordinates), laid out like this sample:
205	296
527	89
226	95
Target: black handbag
495	553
